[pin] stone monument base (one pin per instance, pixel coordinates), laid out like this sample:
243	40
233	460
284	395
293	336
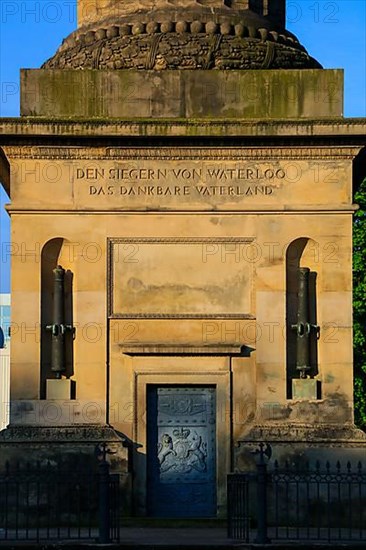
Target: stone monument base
66	447
60	389
303	444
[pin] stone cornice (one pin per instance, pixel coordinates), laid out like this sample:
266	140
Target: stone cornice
299	211
29	127
253	154
310	434
60	434
175	349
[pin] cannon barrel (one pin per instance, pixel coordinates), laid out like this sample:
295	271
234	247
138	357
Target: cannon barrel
304	328
58	328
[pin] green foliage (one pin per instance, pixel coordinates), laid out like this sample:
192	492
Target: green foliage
359	305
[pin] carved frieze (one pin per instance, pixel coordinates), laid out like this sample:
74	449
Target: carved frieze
176	37
180	50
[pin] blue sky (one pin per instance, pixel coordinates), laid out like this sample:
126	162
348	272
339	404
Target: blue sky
334	32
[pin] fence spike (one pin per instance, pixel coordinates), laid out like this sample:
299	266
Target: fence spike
276	464
359	465
327	465
348	466
338	465
317	465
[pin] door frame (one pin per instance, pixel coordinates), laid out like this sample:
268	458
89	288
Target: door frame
219	379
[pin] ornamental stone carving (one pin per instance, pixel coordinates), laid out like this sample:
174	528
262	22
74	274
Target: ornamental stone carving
199	37
182	452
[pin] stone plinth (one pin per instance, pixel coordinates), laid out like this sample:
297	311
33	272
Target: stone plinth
59	389
305	389
301	443
265	94
65	447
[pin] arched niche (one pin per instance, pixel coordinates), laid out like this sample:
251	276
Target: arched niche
55	252
301	253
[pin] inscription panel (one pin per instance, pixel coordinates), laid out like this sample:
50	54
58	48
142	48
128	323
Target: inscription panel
206	185
188	277
173	181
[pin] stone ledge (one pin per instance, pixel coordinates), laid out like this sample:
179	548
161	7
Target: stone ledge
325	433
156	349
60	434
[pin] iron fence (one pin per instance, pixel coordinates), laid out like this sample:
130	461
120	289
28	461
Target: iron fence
298	503
51	501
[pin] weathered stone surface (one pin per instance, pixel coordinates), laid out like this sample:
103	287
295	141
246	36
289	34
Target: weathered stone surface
305	389
67	448
338	131
89	12
330	433
301	444
200	35
38	433
188	94
181	51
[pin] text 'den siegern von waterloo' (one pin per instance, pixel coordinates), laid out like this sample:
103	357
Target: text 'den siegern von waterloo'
182	180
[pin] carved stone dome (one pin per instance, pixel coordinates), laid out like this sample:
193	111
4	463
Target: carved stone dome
182	37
